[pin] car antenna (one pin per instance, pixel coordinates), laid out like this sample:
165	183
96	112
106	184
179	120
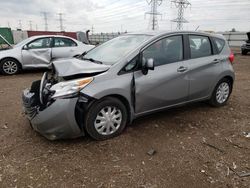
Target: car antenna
197	28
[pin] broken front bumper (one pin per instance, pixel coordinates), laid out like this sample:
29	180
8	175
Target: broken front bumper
56	121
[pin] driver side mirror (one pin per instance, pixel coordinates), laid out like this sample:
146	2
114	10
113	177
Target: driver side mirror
148	65
25	47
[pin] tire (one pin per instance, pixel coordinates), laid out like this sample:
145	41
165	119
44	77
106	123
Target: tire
244	52
9	67
95	119
218	101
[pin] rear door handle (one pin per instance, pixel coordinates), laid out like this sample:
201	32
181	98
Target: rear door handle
215	61
182	69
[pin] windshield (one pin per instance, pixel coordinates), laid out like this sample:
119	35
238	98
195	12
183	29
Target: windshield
112	51
23	42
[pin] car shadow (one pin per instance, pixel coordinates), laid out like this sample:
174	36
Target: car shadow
170	113
139	124
34	71
27	72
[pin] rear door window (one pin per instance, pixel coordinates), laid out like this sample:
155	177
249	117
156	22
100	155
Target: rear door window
63	42
200	46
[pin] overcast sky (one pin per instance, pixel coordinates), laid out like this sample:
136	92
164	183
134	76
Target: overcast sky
117	15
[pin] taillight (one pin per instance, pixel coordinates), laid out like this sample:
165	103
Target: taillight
231	57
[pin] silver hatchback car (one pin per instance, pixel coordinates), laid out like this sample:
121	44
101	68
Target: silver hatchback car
127	77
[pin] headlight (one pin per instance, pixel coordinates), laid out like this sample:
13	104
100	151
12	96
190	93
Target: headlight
69	88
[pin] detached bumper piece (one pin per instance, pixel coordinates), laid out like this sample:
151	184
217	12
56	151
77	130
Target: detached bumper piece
56	121
28	102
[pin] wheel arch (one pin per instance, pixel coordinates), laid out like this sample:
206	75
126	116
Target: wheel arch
82	107
12	58
228	76
231	79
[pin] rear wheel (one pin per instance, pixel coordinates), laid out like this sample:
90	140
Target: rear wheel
244	52
106	119
9	67
221	93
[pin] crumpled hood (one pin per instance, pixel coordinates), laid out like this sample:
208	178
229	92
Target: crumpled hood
74	66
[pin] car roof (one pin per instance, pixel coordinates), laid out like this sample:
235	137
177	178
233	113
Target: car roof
159	33
41	36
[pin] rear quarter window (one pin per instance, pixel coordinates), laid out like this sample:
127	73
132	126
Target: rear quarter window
219	44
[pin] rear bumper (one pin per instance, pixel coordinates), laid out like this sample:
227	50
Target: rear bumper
57	121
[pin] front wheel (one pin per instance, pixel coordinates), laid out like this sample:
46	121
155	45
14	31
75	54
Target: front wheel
221	93
106	118
9	67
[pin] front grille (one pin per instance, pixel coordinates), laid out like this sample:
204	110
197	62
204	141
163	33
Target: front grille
29	103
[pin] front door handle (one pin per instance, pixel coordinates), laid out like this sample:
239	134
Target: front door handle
182	69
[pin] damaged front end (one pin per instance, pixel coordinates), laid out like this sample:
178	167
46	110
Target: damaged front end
52	103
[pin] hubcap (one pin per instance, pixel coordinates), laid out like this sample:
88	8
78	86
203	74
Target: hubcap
10	67
222	92
108	120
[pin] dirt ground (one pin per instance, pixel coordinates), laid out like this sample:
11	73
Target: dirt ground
196	146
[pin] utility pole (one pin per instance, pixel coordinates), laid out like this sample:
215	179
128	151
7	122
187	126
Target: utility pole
45	17
36	27
8	24
61	21
181	5
30	24
121	29
92	29
20	24
153	22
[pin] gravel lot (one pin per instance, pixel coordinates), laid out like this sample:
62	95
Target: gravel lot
196	146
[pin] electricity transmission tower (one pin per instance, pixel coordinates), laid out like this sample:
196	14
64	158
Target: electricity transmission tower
61	21
20	24
181	5
45	17
30	24
153	22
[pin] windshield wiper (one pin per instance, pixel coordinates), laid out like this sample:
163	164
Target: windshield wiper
92	60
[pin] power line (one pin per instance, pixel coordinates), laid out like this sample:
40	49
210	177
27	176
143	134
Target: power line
153	23
61	21
120	9
45	17
181	5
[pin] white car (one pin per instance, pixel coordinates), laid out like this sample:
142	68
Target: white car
38	51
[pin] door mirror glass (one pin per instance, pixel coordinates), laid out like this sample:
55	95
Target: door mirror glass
150	64
147	64
25	47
